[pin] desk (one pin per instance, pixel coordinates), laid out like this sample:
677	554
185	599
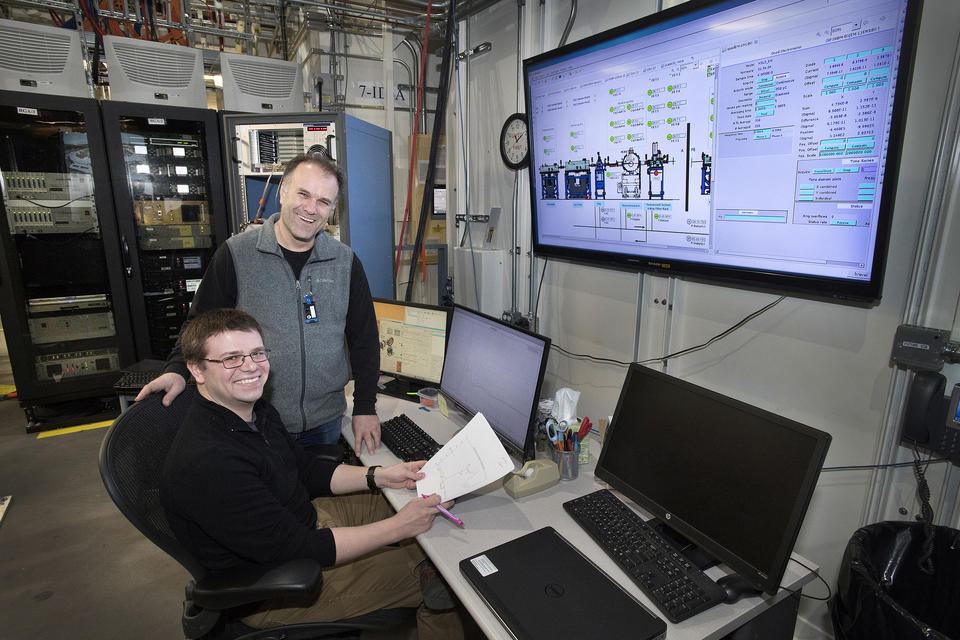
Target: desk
492	517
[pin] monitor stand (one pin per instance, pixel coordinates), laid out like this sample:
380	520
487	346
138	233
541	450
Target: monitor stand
699	557
399	388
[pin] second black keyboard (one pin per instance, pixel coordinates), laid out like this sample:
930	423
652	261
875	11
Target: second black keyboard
677	587
407	440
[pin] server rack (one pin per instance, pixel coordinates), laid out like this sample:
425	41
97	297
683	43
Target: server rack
166	170
257	146
63	301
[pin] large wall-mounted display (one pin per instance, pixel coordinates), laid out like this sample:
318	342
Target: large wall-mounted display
751	142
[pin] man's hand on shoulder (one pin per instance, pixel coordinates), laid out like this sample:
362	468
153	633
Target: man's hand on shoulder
366	429
171	384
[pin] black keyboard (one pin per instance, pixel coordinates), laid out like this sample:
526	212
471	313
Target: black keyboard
135	380
407	440
677	587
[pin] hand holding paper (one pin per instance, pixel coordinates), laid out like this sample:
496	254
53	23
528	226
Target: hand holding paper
471	459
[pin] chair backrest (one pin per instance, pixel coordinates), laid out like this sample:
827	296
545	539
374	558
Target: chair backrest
131	464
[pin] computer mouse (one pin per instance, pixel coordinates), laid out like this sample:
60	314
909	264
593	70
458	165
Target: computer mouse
735	587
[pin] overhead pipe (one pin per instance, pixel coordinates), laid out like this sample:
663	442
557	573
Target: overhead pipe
360	13
416	63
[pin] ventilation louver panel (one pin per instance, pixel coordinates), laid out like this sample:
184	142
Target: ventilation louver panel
262	79
171	66
30	52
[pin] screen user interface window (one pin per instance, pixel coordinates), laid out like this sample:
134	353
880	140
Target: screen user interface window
751	136
412	339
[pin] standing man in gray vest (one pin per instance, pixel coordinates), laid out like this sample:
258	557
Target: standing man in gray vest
311	297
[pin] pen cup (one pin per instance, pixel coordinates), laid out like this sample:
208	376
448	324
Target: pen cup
567	461
428	396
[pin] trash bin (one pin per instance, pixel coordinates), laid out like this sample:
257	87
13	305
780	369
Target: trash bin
897	582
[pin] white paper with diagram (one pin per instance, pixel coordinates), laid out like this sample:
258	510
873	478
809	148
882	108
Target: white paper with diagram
472	459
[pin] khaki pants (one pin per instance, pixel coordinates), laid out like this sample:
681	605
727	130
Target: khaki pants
383	579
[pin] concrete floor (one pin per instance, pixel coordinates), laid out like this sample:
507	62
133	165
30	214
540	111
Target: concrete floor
71	566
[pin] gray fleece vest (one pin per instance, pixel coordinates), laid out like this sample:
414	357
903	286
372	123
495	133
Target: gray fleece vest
308	361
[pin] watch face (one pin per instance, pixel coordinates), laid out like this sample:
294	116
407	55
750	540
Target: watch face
513	141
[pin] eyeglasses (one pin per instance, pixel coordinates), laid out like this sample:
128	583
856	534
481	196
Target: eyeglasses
234	361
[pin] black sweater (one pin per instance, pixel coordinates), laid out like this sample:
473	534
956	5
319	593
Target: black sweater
237	496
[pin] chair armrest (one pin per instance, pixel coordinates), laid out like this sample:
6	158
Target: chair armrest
228	588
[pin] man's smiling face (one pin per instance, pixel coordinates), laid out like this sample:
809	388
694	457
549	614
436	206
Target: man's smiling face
307	197
237	389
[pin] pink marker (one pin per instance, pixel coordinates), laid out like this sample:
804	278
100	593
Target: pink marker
445	512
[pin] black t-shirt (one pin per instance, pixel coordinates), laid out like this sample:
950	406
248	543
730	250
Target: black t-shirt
296	259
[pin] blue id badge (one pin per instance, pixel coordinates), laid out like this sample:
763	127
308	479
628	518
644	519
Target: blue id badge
309	309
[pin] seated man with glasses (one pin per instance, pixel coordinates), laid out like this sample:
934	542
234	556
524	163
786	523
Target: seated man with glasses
237	489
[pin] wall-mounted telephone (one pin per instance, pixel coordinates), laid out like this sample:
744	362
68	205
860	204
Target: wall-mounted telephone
931	419
951	433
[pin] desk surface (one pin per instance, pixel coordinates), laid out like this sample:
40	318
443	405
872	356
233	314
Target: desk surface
492	517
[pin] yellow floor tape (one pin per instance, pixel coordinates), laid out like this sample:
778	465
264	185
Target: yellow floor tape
7	388
82	427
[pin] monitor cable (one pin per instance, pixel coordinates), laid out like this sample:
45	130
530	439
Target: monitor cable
675	354
536	304
925	561
799	592
719	336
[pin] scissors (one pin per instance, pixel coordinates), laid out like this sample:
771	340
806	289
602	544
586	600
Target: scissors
556	430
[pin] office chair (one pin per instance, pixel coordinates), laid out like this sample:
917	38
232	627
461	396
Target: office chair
131	464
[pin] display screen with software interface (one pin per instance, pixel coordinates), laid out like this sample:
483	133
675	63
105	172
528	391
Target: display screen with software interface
413	340
496	369
733	478
746	141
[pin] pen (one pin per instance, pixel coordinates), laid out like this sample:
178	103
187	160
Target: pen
445	512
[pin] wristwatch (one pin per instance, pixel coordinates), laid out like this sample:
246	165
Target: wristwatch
370	481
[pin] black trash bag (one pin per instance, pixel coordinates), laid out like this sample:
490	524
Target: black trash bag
899	581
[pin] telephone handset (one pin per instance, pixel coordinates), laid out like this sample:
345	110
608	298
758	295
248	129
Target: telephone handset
931	419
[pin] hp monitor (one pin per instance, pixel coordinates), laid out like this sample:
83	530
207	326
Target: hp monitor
733	479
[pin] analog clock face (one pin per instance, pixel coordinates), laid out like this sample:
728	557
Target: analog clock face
514	146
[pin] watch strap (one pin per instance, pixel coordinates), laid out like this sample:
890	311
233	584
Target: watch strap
370	480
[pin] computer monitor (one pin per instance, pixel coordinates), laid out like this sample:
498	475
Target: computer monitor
495	368
750	142
732	478
413	340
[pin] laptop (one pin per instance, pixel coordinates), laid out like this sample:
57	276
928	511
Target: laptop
541	586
